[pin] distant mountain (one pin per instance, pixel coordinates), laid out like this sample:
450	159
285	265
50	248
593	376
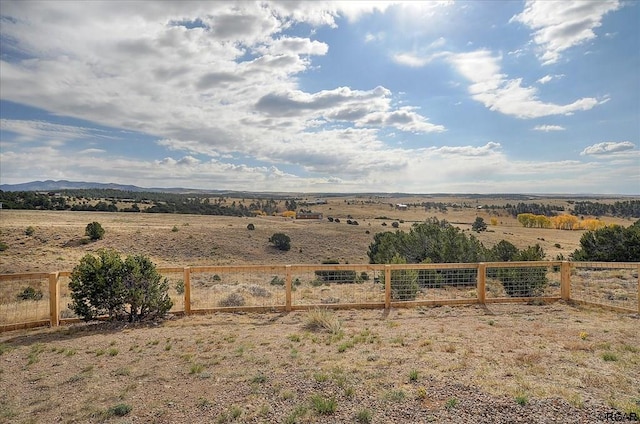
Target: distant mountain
51	185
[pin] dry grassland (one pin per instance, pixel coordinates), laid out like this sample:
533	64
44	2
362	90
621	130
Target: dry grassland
504	363
501	364
189	240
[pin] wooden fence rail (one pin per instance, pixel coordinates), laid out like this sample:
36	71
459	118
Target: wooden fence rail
611	285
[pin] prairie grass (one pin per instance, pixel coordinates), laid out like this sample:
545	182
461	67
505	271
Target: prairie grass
322	320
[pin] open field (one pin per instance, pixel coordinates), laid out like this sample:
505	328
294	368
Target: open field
190	240
500	364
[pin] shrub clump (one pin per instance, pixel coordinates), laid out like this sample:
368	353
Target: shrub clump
404	282
281	241
322	320
94	231
234	299
251	227
106	285
29	293
340	277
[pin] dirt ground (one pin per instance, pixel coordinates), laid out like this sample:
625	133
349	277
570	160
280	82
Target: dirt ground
501	364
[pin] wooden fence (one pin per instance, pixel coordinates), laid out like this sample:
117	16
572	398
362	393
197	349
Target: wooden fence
42	299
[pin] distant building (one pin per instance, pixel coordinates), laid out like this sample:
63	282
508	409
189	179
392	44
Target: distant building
308	215
401	207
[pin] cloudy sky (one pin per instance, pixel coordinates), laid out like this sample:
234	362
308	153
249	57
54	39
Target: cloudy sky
421	97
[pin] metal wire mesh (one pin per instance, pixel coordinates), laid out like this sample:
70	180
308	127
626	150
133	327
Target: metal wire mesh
522	281
24	300
611	284
237	287
436	283
175	279
64	302
336	285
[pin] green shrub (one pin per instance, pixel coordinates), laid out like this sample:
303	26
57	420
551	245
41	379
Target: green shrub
479	225
281	241
29	231
340	277
3	246
29	293
277	281
180	287
525	281
251	227
610	244
323	405
119	410
404	282
364	416
94	231
107	285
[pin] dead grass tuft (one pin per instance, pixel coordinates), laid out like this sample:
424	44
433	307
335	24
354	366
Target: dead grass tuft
322	320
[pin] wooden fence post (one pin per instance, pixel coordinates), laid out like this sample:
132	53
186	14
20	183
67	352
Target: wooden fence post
287	288
565	280
482	282
186	276
387	286
54	299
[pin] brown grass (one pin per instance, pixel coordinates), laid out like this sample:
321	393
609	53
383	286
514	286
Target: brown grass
56	244
262	366
196	369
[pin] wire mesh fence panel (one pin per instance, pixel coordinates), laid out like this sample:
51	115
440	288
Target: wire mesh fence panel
522	281
176	288
606	284
237	287
24	299
441	283
65	300
336	285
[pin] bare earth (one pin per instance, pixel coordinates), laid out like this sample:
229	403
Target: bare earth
501	364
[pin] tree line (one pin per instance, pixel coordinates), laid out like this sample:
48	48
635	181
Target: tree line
621	209
149	202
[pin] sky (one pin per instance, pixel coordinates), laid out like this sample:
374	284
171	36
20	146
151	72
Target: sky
300	96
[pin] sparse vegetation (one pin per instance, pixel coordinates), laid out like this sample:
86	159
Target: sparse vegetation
364	416
106	285
322	320
281	241
233	299
94	231
30	293
323	405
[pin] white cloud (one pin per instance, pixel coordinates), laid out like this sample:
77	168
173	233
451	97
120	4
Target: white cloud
545	79
411	60
38	130
547	128
608	148
508	96
560	25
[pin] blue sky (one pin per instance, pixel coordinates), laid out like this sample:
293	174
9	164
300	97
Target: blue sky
419	97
